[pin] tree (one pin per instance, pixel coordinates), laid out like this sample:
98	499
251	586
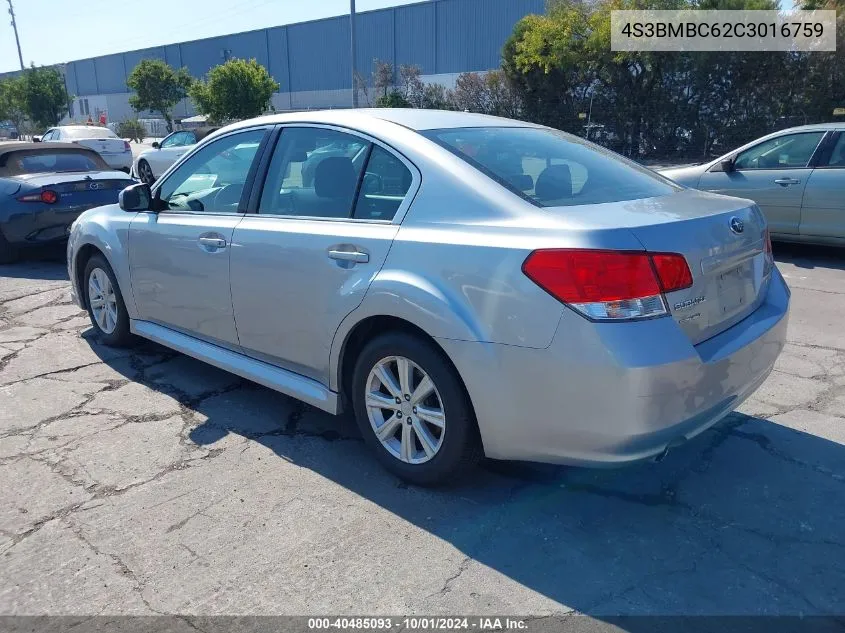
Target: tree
491	93
132	129
158	87
238	89
45	97
392	99
12	104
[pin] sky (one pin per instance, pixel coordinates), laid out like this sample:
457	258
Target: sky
54	31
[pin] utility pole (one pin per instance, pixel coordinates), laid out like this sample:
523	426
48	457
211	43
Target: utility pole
352	51
15	28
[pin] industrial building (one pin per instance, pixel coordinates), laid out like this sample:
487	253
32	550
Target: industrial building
311	60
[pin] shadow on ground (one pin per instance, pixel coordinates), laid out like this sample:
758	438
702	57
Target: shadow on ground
745	519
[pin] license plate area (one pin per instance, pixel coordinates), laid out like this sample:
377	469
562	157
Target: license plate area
732	288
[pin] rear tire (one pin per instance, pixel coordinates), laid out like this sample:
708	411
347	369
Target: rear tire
8	253
435	440
104	300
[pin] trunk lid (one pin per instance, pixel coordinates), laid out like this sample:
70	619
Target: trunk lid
103	146
77	191
729	266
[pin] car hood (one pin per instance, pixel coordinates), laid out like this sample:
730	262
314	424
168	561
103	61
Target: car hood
687	176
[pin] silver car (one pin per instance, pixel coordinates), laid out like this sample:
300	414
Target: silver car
466	286
796	177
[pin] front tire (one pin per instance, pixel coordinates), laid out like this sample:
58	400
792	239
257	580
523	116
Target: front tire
104	300
413	411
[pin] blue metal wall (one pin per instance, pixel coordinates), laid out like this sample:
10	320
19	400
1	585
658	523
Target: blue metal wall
440	36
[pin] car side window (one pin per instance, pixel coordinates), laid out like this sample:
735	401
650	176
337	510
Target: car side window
49	136
789	150
314	172
837	154
173	140
212	180
384	186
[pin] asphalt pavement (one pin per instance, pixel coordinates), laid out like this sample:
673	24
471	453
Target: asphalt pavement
143	482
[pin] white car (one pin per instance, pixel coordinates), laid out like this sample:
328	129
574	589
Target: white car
114	150
151	164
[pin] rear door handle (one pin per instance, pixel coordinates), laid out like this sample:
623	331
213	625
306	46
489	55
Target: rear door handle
213	242
787	181
349	256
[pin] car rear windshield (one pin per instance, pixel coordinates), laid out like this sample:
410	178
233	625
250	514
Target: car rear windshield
89	132
45	161
551	168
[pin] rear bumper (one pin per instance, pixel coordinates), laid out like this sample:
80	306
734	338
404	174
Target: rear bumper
119	161
606	394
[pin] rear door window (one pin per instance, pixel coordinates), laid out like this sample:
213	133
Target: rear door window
551	168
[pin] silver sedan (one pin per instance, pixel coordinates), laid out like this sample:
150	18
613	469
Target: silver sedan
796	177
465	285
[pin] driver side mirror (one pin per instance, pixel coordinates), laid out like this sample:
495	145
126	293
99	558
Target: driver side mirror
136	198
156	145
728	165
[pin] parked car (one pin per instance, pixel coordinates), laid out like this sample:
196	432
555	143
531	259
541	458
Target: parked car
43	189
115	151
796	177
152	163
583	311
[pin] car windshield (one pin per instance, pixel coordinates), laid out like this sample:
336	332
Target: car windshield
37	162
89	132
550	168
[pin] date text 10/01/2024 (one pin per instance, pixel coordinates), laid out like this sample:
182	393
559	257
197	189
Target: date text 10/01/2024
418	623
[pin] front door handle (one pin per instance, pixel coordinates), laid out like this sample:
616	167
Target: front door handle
787	181
349	256
213	242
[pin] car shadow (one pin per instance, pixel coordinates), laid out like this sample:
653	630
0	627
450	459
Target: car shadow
44	262
809	256
744	519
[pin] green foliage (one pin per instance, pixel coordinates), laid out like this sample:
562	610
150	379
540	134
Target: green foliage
658	103
132	129
491	93
44	95
392	99
158	87
238	89
12	103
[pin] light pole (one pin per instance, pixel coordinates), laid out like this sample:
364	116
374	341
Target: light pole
352	52
15	28
590	113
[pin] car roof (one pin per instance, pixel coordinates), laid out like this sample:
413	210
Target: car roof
811	127
412	118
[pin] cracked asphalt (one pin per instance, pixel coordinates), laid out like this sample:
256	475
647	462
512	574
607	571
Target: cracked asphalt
144	482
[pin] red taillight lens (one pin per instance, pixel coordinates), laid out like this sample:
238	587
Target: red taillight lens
581	276
126	147
48	196
767	244
609	284
672	271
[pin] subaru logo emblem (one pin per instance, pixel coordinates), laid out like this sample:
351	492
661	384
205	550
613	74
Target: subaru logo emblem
737	226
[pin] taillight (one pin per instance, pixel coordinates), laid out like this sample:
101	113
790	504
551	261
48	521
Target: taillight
767	244
609	284
48	196
126	147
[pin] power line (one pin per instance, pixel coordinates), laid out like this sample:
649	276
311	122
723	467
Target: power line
15	28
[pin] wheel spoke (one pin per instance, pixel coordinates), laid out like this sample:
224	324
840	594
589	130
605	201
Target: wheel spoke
386	430
432	416
380	401
429	443
422	391
404	369
97	302
388	380
407	443
101	318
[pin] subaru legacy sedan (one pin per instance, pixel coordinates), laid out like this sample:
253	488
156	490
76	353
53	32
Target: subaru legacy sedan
465	286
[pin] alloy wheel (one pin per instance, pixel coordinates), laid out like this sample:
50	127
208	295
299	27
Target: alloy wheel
101	297
405	410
